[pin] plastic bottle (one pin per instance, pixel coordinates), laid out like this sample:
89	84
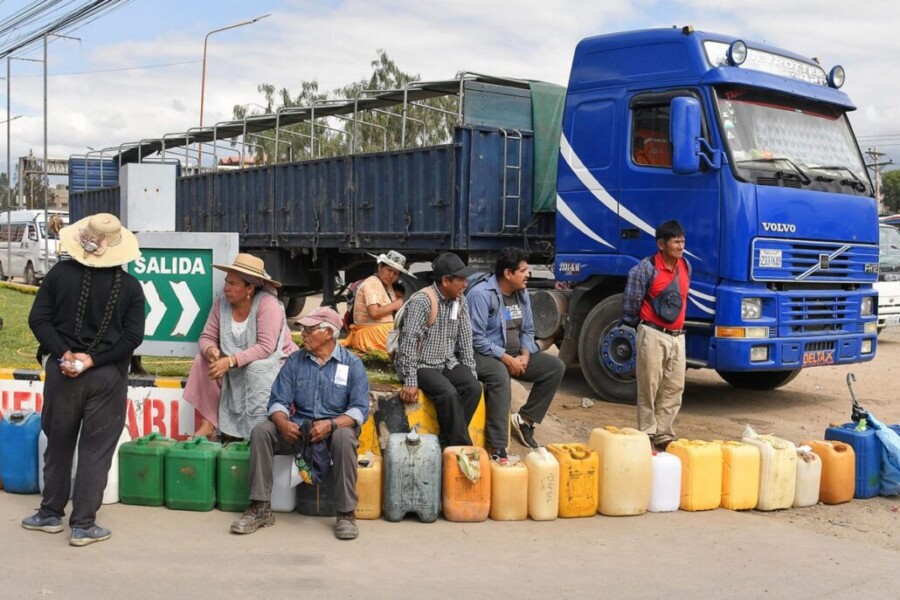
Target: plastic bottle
666	491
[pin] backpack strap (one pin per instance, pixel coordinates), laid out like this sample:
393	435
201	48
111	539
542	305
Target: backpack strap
433	301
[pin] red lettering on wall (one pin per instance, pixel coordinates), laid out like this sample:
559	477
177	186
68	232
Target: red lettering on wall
159	415
21	399
132	421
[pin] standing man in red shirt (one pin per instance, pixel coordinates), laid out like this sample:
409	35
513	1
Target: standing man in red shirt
655	302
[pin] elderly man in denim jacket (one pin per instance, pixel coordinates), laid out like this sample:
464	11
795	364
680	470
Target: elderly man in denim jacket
503	336
324	387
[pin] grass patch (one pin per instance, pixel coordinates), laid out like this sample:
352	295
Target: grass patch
18	345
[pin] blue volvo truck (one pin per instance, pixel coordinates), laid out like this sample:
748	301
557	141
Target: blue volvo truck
747	145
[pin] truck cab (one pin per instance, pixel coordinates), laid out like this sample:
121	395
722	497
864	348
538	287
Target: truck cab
750	148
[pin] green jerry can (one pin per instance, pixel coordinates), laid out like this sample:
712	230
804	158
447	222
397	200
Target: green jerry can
142	468
191	475
234	477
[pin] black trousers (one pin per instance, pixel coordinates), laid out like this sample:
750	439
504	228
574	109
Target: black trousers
94	403
455	393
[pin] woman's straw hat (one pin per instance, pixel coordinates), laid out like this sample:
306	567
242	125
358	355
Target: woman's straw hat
249	265
392	259
99	241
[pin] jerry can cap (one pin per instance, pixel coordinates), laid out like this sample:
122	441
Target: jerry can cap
412	438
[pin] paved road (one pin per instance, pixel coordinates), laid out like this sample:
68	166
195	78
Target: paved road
157	553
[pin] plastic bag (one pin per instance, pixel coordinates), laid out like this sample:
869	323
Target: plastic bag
890	458
471	468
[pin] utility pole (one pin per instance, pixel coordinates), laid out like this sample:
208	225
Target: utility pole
876	165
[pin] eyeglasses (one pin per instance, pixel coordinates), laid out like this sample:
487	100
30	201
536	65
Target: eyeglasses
307	330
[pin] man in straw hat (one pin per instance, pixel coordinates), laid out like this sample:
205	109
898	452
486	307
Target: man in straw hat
321	395
88	317
375	303
246	325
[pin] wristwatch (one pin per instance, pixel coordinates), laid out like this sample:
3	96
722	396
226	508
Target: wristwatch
333	425
230	362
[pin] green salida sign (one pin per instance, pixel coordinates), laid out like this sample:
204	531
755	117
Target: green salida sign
178	286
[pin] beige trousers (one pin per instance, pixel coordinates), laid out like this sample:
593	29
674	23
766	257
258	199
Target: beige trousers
660	382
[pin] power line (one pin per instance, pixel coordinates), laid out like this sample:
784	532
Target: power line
138	68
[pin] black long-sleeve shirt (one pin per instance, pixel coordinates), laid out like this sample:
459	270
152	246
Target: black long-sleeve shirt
55	308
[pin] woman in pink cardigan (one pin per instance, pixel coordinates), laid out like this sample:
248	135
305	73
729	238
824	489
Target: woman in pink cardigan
242	348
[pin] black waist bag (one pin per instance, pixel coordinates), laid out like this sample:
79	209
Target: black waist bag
667	305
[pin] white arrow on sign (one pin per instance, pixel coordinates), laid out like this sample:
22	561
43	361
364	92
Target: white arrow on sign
157	308
189	307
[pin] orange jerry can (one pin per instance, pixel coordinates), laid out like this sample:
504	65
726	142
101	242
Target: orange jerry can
465	500
838	470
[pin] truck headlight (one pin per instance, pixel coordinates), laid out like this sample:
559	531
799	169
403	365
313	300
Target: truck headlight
865	347
751	308
759	353
867	306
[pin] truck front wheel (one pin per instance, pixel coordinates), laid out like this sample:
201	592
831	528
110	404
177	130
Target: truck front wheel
607	352
758	380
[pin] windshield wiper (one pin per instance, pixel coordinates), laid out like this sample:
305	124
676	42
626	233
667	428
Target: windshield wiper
855	182
797	170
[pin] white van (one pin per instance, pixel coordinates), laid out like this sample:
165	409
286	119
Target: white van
888	284
26	250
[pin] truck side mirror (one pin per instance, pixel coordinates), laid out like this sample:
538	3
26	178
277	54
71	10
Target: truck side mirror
687	144
685	133
32	235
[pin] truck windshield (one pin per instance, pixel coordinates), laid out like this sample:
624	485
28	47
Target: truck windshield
776	139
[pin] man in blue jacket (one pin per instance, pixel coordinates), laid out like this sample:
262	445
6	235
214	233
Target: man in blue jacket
503	336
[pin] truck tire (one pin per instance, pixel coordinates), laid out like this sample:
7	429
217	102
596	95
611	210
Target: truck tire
607	353
758	380
293	305
414	284
30	279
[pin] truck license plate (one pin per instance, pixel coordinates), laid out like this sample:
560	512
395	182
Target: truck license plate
892	321
770	259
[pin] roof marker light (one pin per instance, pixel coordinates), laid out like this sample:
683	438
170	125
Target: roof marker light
836	76
737	53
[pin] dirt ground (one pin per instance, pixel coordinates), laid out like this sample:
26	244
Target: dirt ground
799	411
822	552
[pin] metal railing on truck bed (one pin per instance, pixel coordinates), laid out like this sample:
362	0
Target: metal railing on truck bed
471	192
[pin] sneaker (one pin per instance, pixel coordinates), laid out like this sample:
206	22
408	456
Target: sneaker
258	514
45	523
89	535
523	431
499	455
345	528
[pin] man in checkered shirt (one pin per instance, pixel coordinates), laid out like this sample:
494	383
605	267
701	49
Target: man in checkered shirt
440	359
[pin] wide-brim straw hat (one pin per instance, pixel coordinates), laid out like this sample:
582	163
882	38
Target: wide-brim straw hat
99	241
392	259
249	265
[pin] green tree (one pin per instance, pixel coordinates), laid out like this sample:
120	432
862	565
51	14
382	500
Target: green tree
4	191
890	190
428	122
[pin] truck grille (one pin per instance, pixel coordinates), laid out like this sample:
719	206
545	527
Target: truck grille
821	262
809	313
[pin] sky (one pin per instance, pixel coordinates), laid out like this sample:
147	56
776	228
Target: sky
109	88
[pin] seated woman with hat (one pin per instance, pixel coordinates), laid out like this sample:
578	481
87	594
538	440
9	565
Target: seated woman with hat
375	303
242	348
